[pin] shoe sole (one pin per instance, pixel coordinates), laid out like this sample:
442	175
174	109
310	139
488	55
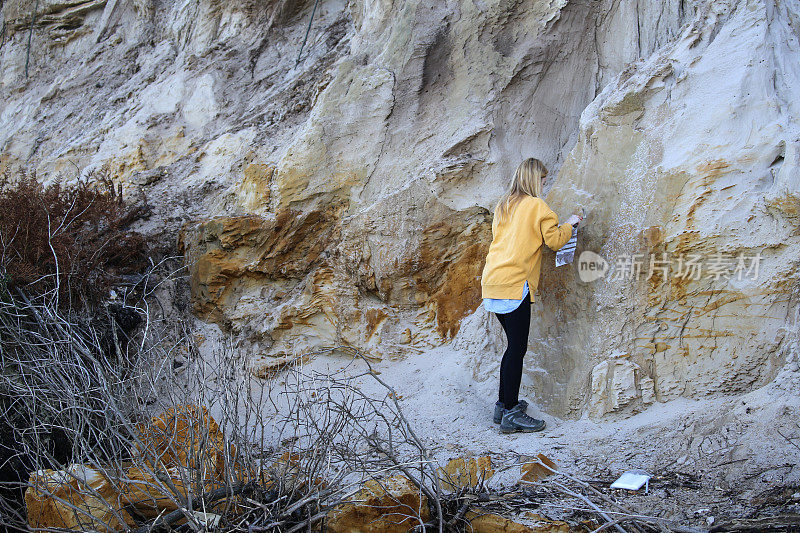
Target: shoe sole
520	430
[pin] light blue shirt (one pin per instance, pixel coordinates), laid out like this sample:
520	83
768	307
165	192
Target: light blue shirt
504	306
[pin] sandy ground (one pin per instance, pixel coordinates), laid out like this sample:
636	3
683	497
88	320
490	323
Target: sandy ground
711	459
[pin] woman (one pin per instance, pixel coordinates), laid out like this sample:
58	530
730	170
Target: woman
522	224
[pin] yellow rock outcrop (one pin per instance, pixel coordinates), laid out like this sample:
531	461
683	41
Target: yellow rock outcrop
392	505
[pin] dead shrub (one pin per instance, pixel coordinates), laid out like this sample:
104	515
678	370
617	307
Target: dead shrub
71	243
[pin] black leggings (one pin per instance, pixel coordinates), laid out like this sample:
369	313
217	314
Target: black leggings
517	325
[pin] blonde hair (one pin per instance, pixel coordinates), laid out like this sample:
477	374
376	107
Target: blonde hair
527	181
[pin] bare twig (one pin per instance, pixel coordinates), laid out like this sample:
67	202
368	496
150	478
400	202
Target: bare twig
790	441
30	37
300	53
206	499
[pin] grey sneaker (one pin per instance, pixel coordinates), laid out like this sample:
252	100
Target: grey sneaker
498	410
515	419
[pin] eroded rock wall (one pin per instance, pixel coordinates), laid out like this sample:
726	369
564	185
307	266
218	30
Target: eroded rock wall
343	195
687	166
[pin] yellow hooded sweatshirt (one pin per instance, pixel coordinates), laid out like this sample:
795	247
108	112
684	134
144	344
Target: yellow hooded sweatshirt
515	254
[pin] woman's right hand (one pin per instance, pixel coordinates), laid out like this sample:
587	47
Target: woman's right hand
574	220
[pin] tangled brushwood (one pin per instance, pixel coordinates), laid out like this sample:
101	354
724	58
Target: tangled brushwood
155	446
103	429
72	243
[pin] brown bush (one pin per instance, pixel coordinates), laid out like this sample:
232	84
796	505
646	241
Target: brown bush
67	242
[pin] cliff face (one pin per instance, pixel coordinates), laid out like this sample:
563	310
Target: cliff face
343	195
687	164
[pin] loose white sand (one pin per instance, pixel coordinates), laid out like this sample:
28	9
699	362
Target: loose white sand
730	444
729	448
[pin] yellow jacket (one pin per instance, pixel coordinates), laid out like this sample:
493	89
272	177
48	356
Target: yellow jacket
515	254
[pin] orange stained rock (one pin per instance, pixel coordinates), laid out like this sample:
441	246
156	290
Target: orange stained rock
224	253
150	494
713	168
374	319
392	505
448	267
186	437
465	472
538	468
79	498
483	522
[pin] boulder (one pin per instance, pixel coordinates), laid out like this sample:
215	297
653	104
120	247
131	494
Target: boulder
465	472
151	494
179	452
79	498
185	437
537	468
392	505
